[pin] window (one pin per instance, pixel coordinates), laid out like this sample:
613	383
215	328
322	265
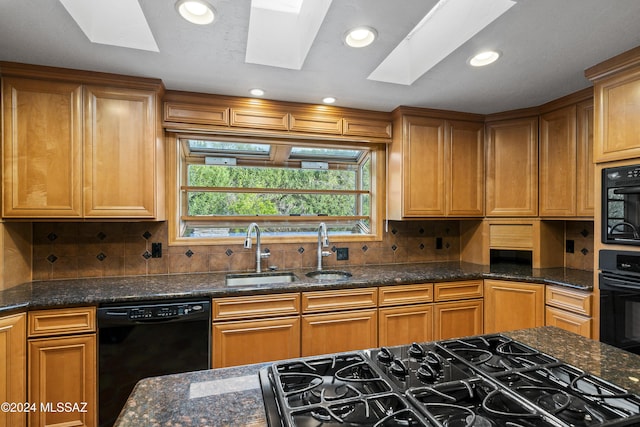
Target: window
287	187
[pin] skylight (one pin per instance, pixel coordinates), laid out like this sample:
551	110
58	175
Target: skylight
444	29
281	32
112	22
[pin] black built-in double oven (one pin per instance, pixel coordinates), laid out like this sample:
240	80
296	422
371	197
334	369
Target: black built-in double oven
619	277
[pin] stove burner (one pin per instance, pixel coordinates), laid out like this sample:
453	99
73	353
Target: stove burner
490	380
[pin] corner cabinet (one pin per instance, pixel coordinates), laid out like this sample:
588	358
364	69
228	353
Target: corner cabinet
512	168
14	371
73	149
436	167
512	305
566	162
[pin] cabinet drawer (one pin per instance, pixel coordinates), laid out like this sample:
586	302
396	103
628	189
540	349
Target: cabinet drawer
62	321
260	119
345	299
405	294
196	113
314	123
511	236
255	306
568	321
366	127
570	299
450	291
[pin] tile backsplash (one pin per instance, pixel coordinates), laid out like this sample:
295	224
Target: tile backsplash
80	250
581	232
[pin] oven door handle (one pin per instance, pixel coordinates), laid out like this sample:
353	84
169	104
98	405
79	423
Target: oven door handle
618	284
627	190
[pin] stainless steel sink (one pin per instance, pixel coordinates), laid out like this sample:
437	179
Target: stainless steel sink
243	279
329	275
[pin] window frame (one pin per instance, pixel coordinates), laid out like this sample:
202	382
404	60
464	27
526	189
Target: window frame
176	176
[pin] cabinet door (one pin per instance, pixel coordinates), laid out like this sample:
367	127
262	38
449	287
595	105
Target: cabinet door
404	325
338	332
457	319
617	108
13	374
120	153
558	163
512	168
42	143
424	167
63	370
512	305
253	341
585	167
568	321
465	175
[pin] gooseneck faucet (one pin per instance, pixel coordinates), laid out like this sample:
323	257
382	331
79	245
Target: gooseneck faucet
247	245
323	241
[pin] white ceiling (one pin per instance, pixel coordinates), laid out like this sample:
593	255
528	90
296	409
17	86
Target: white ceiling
546	45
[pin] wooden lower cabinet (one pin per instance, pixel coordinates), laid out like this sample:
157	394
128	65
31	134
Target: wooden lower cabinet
253	341
14	372
457	319
568	321
62	370
339	331
512	305
569	309
404	325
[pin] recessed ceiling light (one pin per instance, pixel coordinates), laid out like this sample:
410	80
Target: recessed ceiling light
256	92
484	58
360	36
329	100
196	11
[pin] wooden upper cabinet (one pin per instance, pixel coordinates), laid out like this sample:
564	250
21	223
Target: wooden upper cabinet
465	174
558	163
423	167
512	167
436	168
616	84
585	197
42	143
79	144
120	153
248	116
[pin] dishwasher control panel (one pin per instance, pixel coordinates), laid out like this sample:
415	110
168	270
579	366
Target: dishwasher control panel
153	312
163	312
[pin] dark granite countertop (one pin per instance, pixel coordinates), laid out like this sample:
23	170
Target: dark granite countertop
60	293
232	397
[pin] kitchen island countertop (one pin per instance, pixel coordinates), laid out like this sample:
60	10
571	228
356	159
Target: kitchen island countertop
94	291
232	396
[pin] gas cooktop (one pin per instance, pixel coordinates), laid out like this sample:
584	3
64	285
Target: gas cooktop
488	380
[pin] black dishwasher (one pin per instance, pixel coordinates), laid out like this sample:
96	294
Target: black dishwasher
148	339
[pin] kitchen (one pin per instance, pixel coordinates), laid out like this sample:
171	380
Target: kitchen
113	229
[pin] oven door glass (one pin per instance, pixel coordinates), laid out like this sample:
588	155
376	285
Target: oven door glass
619	315
622	215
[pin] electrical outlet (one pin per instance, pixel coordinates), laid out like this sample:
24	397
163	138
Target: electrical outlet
438	242
570	246
342	254
156	250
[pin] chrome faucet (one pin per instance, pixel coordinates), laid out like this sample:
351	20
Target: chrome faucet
323	241
247	245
